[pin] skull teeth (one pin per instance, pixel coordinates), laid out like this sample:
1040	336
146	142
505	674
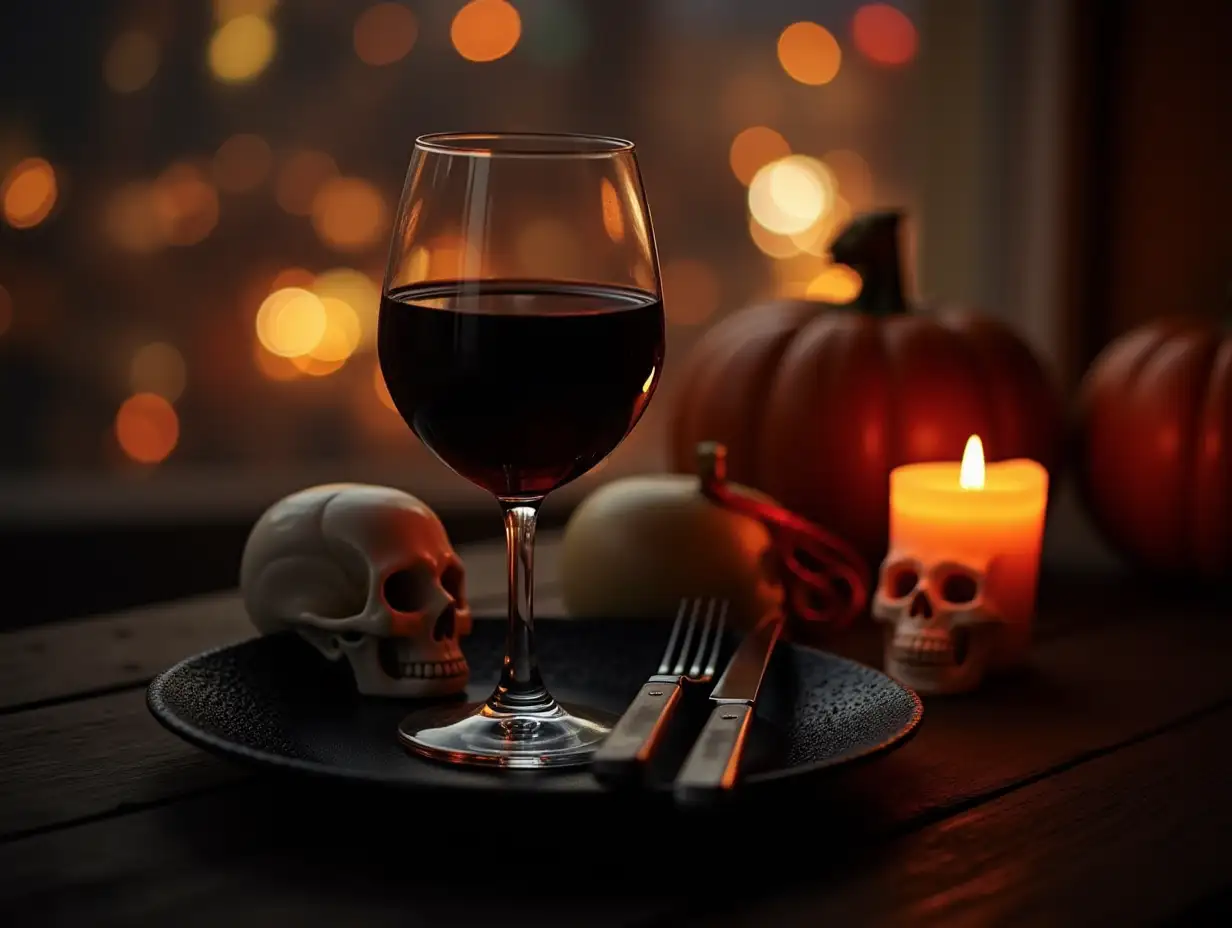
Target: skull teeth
432	669
923	649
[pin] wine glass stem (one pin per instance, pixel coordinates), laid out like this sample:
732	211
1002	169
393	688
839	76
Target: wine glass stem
521	689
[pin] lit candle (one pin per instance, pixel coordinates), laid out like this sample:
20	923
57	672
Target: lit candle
958	586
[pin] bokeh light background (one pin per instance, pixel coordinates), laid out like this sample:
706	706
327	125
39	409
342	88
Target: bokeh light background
195	198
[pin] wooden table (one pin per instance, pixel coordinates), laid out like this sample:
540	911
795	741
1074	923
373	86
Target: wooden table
1094	789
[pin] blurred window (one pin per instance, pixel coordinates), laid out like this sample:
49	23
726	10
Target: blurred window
195	203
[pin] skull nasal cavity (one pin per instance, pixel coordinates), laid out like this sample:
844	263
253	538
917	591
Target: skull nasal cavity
921	606
444	625
402	591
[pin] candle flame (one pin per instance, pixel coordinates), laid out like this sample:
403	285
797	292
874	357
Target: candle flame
971	472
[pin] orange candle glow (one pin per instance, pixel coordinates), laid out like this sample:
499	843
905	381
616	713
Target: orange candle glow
964	547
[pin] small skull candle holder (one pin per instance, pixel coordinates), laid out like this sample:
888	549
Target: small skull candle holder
366	573
957	590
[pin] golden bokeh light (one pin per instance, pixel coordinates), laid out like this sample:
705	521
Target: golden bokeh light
349	214
29	193
6	310
241	48
384	33
690	291
300	177
186	204
158	368
770	243
242	163
341	336
852	176
816	239
359	291
225	10
753	149
884	35
313	367
547	247
131	62
836	284
809	53
613	215
789	195
147	428
485	30
291	322
380	388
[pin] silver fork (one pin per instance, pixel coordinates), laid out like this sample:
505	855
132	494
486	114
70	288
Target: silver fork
690	657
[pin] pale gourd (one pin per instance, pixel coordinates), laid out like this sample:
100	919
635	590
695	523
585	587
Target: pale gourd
636	546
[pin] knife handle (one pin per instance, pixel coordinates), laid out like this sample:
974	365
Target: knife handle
630	745
713	764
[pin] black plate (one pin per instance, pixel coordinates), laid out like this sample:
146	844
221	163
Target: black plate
275	702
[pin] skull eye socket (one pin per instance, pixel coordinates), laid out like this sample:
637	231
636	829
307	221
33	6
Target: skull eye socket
958	588
902	581
451	581
352	637
403	590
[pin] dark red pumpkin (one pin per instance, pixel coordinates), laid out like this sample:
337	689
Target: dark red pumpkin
816	403
1155	434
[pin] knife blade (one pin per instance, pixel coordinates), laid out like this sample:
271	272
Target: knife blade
713	764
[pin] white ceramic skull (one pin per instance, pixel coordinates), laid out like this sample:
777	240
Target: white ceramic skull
366	573
944	628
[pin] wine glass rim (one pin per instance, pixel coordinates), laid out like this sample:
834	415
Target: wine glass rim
523	144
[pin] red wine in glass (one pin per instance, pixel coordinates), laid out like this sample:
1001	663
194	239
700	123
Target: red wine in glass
520	386
521	366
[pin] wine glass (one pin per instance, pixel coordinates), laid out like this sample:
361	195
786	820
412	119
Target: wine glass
521	337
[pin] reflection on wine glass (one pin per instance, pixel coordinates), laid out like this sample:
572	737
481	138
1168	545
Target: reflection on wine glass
521	359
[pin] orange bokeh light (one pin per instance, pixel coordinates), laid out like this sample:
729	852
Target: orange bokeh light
485	30
884	35
292	277
809	53
385	33
274	367
613	215
147	428
28	193
753	149
349	214
382	391
186	204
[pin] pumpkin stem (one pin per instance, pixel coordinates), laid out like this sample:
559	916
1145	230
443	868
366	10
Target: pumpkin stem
712	462
869	245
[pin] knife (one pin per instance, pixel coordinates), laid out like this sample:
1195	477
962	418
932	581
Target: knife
713	764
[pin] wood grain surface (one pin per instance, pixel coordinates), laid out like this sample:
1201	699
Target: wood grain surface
1029	803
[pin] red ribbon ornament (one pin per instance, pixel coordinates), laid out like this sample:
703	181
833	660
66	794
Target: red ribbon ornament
826	579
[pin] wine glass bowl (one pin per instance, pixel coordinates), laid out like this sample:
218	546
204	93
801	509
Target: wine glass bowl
521	337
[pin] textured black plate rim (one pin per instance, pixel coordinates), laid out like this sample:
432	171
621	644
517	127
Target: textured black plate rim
158	707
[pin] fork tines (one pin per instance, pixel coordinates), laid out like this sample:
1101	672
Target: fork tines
701	618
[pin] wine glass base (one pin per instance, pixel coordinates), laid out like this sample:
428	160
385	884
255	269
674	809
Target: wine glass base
477	735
